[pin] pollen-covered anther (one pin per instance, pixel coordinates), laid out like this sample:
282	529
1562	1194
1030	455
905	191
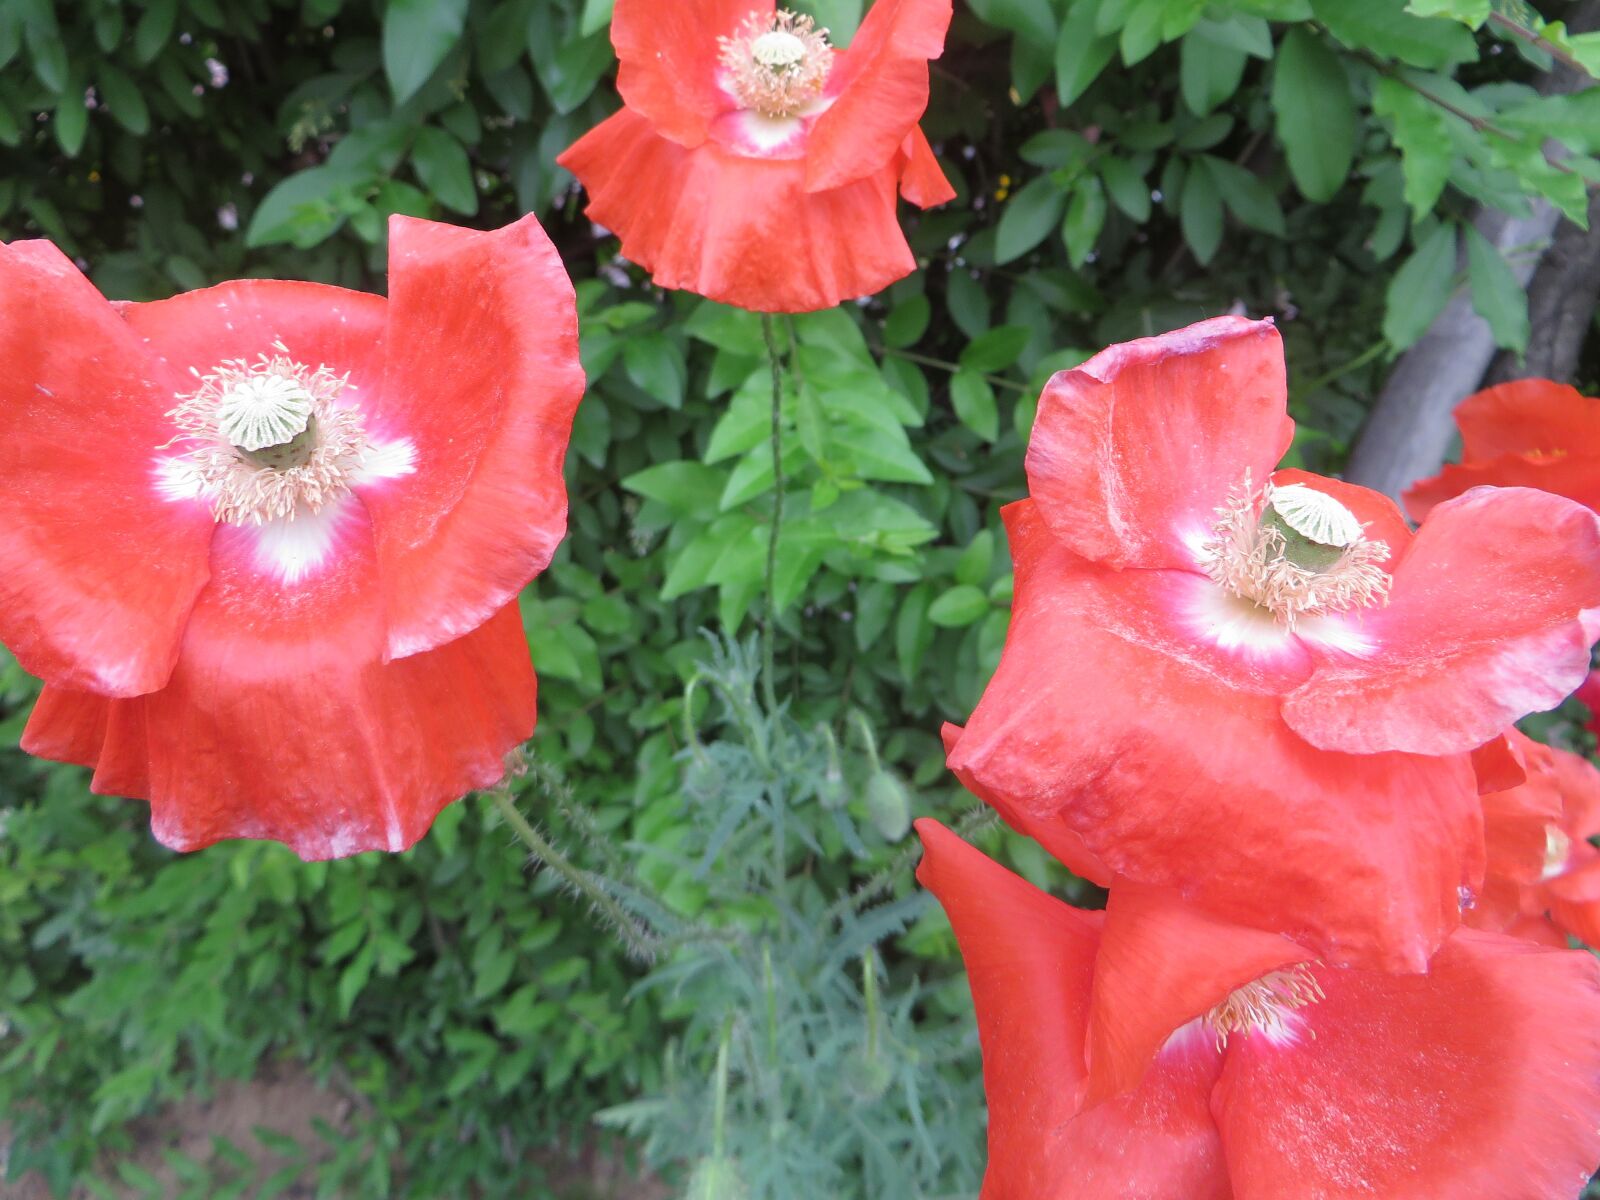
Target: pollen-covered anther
778	64
268	440
1264	1005
1295	552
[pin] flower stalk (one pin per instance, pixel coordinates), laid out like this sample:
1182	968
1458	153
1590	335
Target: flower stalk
770	619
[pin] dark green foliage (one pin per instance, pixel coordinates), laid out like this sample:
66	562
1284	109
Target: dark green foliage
1124	166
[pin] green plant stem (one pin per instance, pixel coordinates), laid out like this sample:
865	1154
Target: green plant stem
639	941
1534	38
944	365
770	621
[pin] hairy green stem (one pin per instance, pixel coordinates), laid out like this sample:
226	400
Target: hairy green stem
770	621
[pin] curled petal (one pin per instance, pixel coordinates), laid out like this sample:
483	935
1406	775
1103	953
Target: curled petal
1476	1080
1489	619
922	180
1132	453
98	571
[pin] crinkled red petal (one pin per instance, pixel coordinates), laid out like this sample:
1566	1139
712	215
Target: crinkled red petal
1132	453
1475	1081
1487	621
98	571
668	60
879	91
737	229
1171	763
482	375
1163	963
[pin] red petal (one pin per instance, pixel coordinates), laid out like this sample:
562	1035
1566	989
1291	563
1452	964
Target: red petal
1574	901
1486	623
879	88
98	570
1161	965
1132	453
1172	764
1577	478
282	721
66	726
1029	960
1476	1081
739	230
482	375
668	59
1499	763
1516	820
922	179
1588	694
1528	416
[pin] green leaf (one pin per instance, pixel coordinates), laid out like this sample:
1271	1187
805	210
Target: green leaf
913	631
973	399
1081	52
154	28
685	488
973	565
996	349
71	123
1086	217
417	35
443	168
1246	196
568	70
1028	218
1126	187
1316	119
1421	287
655	365
1385	28
123	100
299	209
1201	212
1470	12
1209	70
1423	138
907	322
958	606
1496	294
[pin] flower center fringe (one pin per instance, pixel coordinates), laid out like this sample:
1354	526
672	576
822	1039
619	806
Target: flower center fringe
777	65
1295	551
1264	1005
269	441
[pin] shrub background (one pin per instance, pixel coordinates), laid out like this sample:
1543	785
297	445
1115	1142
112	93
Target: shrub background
1124	167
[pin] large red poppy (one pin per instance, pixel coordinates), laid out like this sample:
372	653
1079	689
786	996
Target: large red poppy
751	162
1155	1052
1261	689
263	541
1543	877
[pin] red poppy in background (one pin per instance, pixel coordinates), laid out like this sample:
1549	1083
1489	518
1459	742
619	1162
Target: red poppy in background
1261	689
1154	1052
263	541
1543	879
1530	433
752	162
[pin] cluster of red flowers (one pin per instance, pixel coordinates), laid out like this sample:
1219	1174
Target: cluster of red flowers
1277	725
264	542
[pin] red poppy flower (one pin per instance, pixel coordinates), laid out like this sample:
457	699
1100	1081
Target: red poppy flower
1530	433
1154	1052
1261	689
753	163
263	541
1543	878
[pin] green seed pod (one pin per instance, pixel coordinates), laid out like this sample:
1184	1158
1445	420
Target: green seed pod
888	805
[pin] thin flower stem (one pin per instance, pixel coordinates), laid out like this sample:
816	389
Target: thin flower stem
639	941
770	621
927	360
1534	38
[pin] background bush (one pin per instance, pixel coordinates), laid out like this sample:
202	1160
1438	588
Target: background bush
1124	166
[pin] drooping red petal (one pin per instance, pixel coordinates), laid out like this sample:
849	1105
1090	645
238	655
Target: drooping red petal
1577	781
922	179
98	571
1477	1081
1163	963
1170	761
282	720
879	89
66	726
1577	478
1029	961
1487	621
1499	763
1132	453
1528	416
1516	820
1573	899
738	229
668	60
482	375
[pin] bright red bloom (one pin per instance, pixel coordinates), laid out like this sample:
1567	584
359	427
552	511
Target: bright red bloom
1157	1053
1543	880
1264	696
263	541
1530	433
754	164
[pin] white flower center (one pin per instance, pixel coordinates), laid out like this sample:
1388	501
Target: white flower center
1266	1005
1315	515
778	50
776	64
261	410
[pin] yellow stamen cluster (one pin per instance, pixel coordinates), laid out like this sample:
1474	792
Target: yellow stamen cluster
777	65
269	439
1263	1005
1250	554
